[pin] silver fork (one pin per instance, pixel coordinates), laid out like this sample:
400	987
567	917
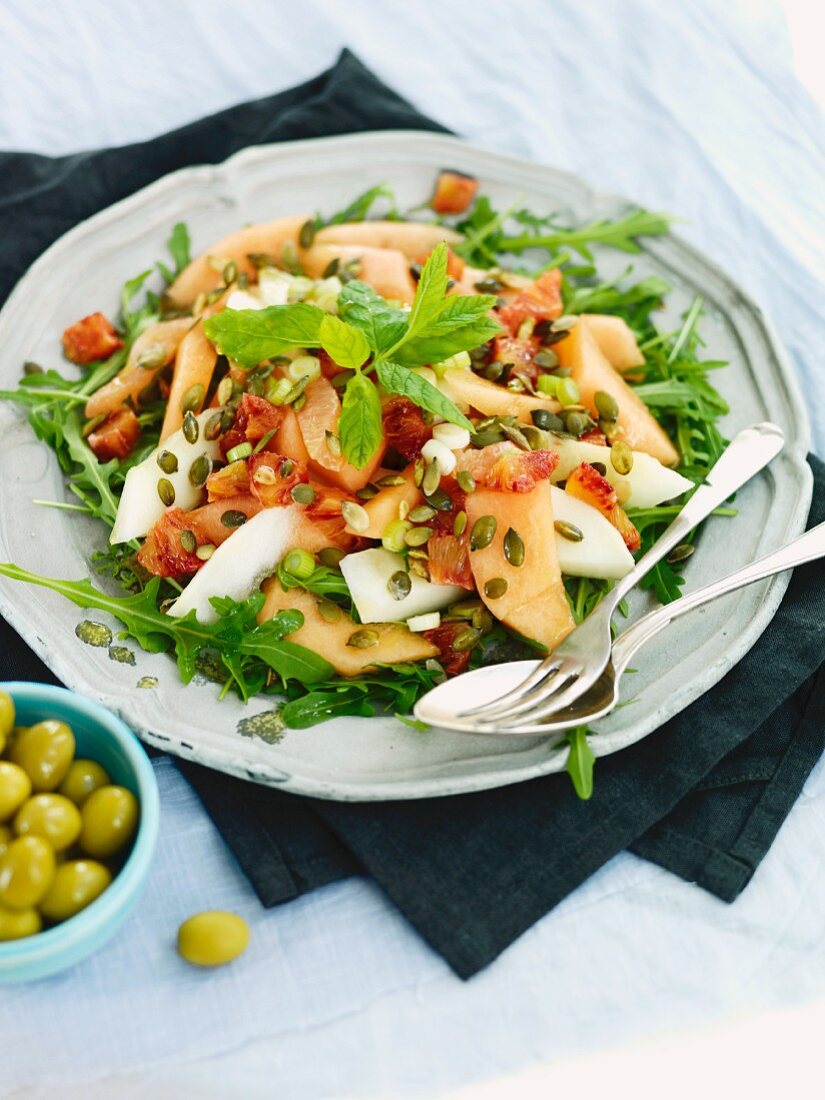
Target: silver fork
577	663
603	695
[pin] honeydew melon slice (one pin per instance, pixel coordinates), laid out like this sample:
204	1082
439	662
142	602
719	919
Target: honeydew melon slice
601	553
140	506
650	482
367	574
239	565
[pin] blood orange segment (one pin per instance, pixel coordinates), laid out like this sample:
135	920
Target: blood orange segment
255	417
273	477
163	553
587	484
116	436
448	561
444	637
231	481
404	428
506	468
540	302
93	337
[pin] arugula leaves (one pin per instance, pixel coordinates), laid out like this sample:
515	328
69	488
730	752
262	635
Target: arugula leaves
243	645
179	245
580	761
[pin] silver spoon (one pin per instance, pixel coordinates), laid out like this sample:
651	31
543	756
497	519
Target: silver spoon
440	706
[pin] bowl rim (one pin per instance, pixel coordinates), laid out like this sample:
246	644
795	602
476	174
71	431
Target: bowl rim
115	898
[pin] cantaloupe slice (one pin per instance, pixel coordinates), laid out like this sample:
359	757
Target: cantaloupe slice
534	603
649	482
383	508
591	370
616	341
288	440
320	414
194	366
163	340
386	270
329	639
491	399
200	277
413	239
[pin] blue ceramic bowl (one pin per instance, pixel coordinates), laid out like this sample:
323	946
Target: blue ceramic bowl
103	737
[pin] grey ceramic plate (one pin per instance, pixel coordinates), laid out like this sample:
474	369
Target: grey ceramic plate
377	758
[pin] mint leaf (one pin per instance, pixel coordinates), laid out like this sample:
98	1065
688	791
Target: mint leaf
345	344
429	295
458	311
382	324
248	336
403	381
434	349
580	762
360	428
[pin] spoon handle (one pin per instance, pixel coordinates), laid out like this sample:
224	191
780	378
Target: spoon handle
808	547
748	453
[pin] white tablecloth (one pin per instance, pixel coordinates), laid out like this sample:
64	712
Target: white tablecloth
688	107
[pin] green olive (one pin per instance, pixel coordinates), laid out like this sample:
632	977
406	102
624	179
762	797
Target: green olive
45	751
76	884
110	816
26	871
15	788
6	717
6	837
51	816
213	938
83	777
16	924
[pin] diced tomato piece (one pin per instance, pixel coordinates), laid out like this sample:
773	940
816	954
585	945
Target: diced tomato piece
520	352
454	191
93	337
443	637
503	466
272	477
541	302
587	484
404	427
163	553
255	417
448	560
116	436
231	481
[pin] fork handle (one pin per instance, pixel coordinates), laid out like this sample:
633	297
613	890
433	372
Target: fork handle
748	453
808	547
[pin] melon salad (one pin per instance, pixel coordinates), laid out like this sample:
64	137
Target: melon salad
380	433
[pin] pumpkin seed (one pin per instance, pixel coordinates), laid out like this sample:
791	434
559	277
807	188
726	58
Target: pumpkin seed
30	368
331	556
547	421
537	439
224	391
417	536
421	513
331	268
212	428
515	435
621	457
546	359
388	481
166	491
418	472
419	568
191	429
368	492
493	371
482	620
465	640
495	588
483	532
265	475
200	470
514	547
205	552
168	462
364	639
440	500
289	258
193	398
329	611
333	443
303	494
286	467
227	418
466	481
261	259
230	273
606	405
415	271
399	585
600	468
680	553
152	357
233	518
489	285
355	516
577	423
460	524
307	233
568	531
516	384
431	479
188	541
403	509
243	281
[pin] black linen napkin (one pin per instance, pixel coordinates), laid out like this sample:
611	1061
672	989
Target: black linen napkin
704	796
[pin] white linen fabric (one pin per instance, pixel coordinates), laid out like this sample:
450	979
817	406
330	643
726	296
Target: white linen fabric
691	108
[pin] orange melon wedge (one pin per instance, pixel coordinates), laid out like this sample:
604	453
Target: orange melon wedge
413	239
320	414
491	399
616	341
